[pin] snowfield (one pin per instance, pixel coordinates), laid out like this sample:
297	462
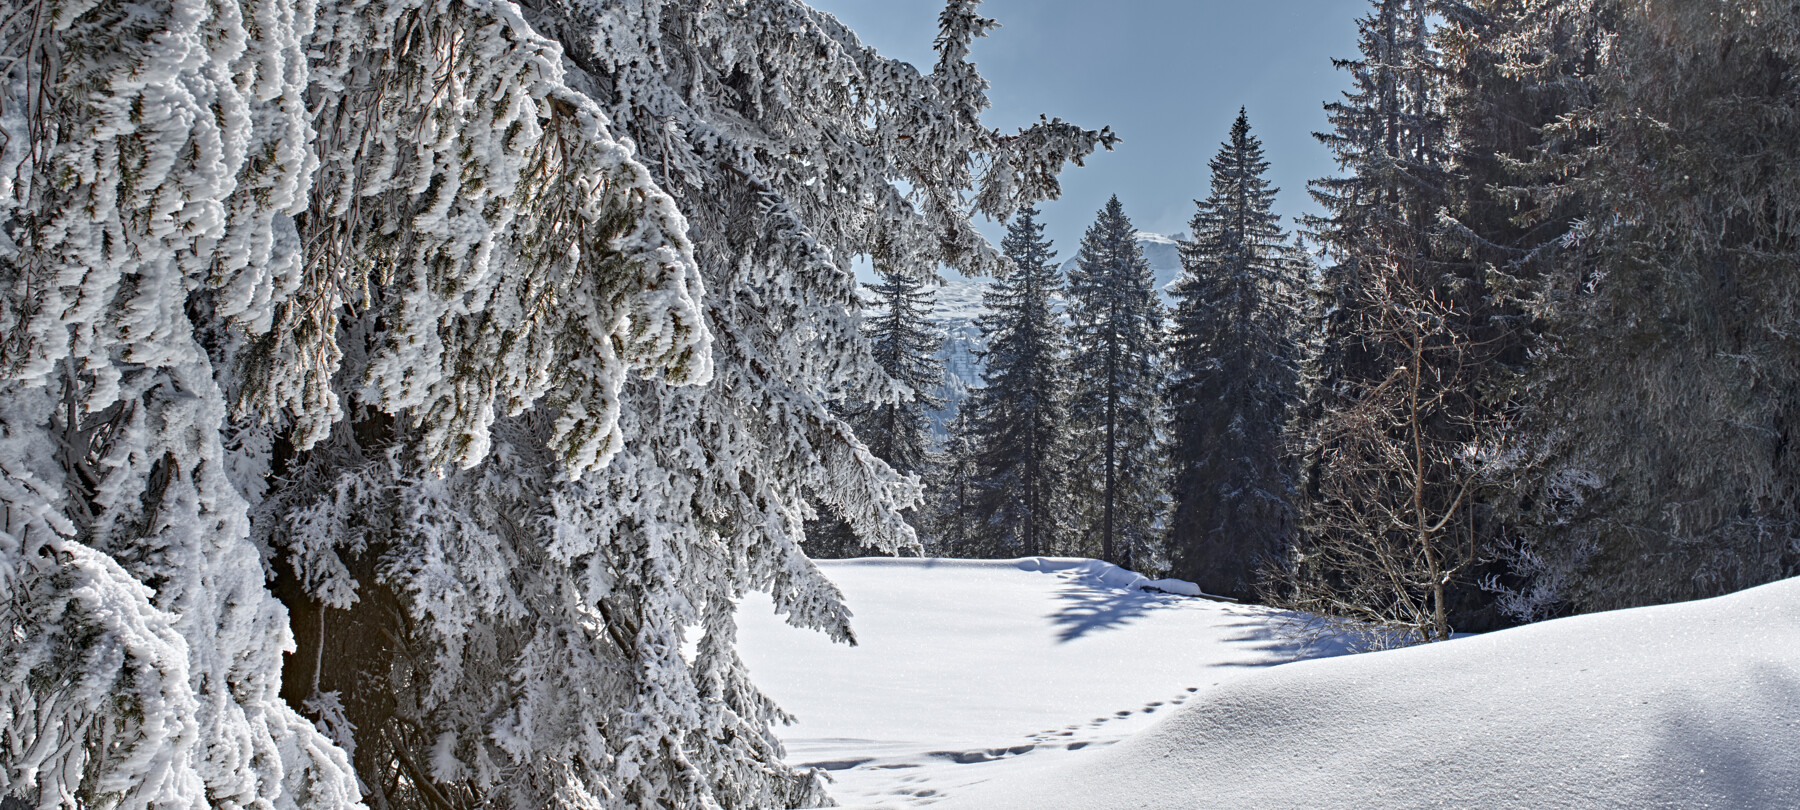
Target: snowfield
1003	685
966	671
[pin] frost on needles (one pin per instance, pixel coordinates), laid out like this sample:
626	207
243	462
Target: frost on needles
496	344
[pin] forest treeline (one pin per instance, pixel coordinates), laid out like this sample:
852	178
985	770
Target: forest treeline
1537	355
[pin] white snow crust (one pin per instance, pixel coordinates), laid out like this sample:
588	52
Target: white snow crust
969	670
1693	705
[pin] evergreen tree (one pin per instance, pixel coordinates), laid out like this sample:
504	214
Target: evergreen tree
1510	70
1234	378
1389	138
905	344
1018	419
1115	338
508	339
956	530
1660	417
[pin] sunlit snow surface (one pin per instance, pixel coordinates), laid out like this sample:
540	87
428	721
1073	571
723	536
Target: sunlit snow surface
1004	686
1693	705
966	671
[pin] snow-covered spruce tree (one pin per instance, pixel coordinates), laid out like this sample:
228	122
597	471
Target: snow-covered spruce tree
905	344
511	635
1115	405
1388	137
193	192
1234	378
1018	420
1662	413
1391	421
1509	70
387	255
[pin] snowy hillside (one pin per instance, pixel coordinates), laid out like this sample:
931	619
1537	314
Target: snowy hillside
1694	705
958	305
1004	685
968	670
959	300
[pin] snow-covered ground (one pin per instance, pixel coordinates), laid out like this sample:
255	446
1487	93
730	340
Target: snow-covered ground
1003	686
966	671
1694	705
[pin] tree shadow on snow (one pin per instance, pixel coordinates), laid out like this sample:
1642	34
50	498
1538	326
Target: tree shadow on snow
1279	639
1086	609
1741	756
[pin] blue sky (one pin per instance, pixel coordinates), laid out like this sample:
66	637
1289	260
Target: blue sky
1167	75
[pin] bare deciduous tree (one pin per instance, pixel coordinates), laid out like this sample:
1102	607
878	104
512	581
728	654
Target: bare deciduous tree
1395	462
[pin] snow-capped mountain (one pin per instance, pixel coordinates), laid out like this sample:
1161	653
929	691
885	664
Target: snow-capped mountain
1164	255
958	305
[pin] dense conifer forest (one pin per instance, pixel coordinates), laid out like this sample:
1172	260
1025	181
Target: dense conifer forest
1528	362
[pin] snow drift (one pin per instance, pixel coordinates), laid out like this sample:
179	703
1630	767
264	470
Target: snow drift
1693	705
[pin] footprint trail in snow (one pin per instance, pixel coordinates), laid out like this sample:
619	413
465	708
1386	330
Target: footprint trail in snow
965	669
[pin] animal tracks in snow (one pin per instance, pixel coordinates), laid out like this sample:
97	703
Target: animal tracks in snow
1069	738
1099	722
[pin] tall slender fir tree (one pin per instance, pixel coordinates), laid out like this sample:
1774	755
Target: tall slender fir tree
954	529
1019	418
1389	137
1234	378
905	343
1115	410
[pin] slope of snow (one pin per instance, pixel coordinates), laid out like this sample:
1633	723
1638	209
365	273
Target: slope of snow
959	300
1164	255
966	670
1694	705
958	305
